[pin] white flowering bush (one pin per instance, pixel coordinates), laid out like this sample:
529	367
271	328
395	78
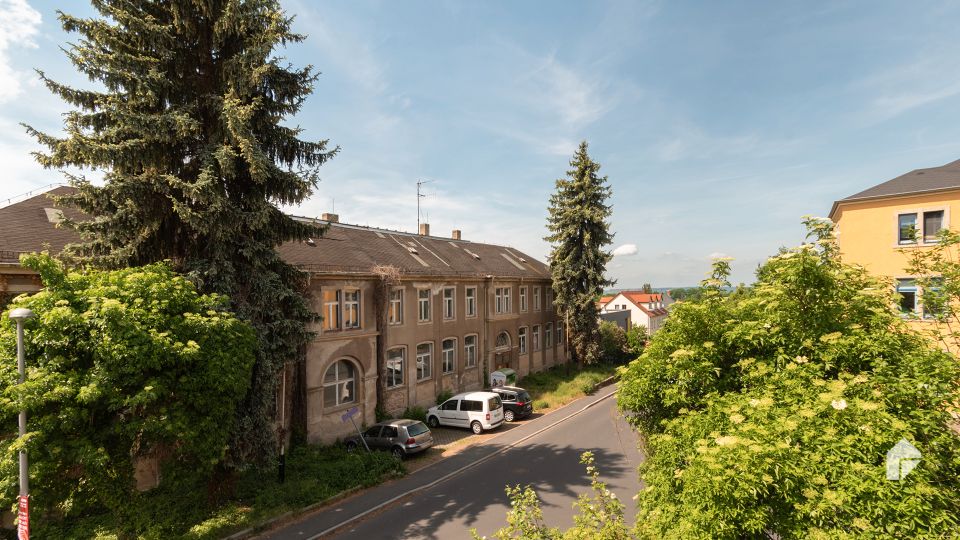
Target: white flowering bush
770	413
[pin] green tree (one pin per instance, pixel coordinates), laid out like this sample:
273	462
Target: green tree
769	413
121	365
614	346
579	231
188	124
647	288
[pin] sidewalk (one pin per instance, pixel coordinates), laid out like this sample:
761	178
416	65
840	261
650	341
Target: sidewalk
329	518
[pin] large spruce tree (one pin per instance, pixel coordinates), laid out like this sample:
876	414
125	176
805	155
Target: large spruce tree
579	232
187	124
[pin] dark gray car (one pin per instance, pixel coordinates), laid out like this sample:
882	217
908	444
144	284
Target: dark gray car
400	437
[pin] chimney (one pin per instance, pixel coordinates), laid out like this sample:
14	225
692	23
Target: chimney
424	229
332	218
456	234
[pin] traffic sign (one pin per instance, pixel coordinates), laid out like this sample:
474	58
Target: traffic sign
349	414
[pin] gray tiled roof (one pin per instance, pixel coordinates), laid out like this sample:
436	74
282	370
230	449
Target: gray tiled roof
355	249
25	227
914	182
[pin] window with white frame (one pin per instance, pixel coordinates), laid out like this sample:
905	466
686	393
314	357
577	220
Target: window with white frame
548	335
470	351
395	364
339	383
523	299
536	298
522	339
535	337
331	309
395	313
502	299
907	289
424	361
560	333
549	304
351	309
925	225
449	303
448	355
507	303
471	295
423	305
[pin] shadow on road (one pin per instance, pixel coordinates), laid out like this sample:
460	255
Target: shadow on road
555	472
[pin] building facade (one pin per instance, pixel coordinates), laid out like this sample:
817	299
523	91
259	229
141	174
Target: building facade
877	228
416	314
646	309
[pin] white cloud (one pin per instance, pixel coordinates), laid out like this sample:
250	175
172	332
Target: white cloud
576	99
625	250
18	24
689	141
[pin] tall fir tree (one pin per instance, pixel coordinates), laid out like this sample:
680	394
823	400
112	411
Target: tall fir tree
579	232
187	125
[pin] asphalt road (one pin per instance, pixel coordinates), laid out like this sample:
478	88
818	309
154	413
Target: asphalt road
550	462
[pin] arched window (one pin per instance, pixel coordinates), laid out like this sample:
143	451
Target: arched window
339	384
503	341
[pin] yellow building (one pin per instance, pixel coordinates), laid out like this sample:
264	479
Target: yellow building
876	225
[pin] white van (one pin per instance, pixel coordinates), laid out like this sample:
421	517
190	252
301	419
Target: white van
475	410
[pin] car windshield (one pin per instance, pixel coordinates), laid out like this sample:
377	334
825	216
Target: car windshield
523	396
494	403
416	429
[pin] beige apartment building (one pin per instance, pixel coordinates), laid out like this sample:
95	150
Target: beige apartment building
417	313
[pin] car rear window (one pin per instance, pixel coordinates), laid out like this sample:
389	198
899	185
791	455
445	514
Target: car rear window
524	397
494	403
416	429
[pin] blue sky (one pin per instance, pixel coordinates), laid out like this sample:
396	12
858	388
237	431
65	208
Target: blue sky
718	124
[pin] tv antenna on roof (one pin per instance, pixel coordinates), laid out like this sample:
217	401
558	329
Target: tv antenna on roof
420	183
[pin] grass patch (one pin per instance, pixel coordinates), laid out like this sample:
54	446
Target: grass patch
555	387
180	508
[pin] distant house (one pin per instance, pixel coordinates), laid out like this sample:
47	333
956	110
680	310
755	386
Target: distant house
904	213
458	310
646	309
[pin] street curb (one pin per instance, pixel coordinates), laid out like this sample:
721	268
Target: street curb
606	382
451	474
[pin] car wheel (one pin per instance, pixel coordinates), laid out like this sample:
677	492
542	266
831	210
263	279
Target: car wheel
508	416
398	452
433	421
476	427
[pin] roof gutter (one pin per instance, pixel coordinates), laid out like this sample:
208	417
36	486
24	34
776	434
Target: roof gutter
836	204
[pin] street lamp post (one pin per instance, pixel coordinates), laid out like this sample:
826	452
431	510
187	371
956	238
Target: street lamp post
20	315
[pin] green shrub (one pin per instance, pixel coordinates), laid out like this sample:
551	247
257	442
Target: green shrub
443	396
122	364
415	413
769	413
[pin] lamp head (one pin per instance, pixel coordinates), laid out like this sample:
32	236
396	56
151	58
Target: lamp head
21	314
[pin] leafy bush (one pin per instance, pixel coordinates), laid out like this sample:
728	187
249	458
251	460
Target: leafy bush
121	364
443	396
599	516
769	413
180	508
415	413
613	343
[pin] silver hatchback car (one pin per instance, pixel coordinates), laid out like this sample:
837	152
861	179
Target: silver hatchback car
400	437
